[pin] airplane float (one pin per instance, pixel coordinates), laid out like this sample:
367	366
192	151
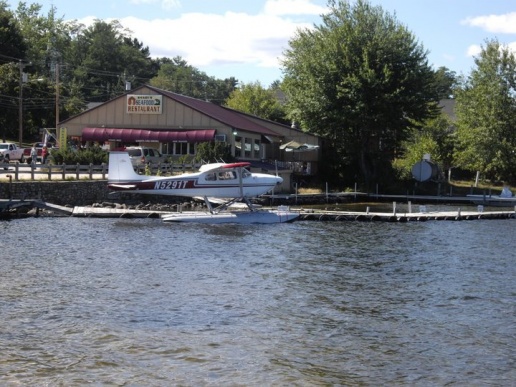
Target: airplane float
230	181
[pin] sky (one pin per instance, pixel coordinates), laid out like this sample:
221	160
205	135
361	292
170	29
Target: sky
245	39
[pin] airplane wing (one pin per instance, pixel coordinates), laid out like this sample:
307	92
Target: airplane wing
211	167
236	165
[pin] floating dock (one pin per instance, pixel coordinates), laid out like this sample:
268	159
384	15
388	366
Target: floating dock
318	215
404	217
17	208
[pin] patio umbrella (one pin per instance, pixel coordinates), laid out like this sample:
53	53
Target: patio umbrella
294	146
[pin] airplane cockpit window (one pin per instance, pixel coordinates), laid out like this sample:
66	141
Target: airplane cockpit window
227	175
245	173
211	177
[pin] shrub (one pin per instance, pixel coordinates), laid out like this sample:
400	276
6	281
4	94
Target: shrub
94	155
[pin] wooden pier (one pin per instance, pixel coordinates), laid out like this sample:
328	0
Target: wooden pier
318	215
18	208
404	217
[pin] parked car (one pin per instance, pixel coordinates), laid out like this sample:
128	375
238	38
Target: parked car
11	152
141	155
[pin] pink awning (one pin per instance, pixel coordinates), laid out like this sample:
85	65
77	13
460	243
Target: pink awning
136	135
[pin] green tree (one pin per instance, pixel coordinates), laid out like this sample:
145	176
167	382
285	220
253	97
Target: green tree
47	39
105	57
214	151
486	115
12	51
434	137
360	80
12	44
446	82
253	98
178	76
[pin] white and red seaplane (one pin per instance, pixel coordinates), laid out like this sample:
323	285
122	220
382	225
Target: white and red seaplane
231	182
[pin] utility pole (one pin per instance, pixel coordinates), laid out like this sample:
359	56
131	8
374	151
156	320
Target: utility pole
20	104
57	98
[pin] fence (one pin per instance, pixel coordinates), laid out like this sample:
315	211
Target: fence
17	171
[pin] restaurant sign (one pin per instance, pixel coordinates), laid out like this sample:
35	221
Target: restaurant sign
144	104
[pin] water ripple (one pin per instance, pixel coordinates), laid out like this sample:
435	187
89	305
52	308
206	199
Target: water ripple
138	302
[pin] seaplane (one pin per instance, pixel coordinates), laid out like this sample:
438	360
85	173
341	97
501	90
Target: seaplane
225	183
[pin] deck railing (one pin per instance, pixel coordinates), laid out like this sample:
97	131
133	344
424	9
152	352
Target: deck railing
19	171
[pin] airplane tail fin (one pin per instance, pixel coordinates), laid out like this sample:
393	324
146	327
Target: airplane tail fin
121	169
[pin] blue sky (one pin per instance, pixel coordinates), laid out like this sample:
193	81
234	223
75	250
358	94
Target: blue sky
245	38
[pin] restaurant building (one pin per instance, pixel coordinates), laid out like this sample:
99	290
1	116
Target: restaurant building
175	124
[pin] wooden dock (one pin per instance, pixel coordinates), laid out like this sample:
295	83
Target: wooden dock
404	217
103	212
17	208
319	215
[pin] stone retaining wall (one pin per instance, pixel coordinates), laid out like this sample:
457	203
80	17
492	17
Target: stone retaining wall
75	193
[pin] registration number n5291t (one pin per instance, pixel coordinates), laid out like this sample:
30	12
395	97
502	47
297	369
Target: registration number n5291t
171	184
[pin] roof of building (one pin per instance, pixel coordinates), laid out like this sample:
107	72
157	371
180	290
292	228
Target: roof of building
224	115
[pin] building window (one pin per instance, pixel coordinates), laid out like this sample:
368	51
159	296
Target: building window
238	147
179	148
256	149
248	145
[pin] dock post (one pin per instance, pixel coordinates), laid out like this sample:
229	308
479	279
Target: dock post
367	210
410	207
394	208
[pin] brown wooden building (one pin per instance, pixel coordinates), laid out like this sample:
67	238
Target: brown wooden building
174	124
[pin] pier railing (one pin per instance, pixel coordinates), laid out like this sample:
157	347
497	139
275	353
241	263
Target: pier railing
19	171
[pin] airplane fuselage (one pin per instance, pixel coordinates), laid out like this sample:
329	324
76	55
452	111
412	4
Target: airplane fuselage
178	186
213	180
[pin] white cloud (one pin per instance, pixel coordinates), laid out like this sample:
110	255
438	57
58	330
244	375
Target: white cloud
207	39
474	50
494	23
232	38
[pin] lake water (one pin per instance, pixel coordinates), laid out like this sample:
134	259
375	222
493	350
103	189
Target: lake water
136	302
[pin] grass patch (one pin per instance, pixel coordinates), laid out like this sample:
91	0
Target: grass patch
307	191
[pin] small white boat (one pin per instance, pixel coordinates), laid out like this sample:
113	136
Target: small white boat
281	215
